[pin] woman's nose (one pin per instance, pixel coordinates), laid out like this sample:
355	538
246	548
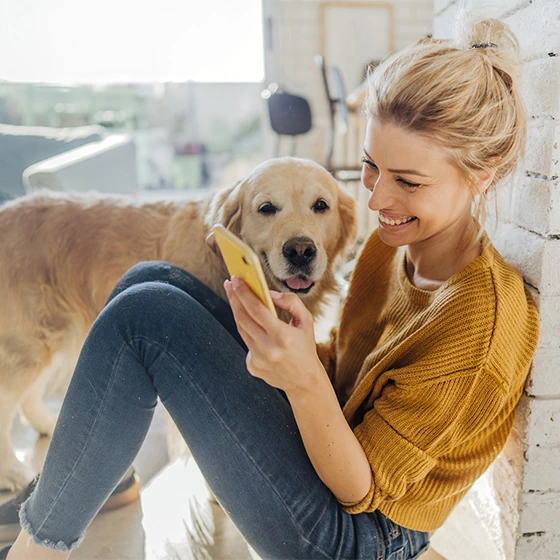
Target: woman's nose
379	195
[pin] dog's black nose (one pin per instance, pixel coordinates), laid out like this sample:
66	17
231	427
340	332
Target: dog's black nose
299	250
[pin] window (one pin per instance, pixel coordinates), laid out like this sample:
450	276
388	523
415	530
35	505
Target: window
123	41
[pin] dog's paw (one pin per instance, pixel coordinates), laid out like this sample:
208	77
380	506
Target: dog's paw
40	419
46	427
14	476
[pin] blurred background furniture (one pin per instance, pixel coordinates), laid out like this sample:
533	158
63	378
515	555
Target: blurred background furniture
343	147
80	158
290	115
338	121
107	166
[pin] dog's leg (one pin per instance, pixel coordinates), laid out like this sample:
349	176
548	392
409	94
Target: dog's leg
13	474
32	405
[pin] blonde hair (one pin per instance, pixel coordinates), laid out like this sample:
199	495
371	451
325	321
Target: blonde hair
464	95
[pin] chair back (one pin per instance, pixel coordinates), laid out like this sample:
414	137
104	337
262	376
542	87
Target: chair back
341	106
290	115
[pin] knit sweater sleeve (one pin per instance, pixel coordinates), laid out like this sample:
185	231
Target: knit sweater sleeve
409	428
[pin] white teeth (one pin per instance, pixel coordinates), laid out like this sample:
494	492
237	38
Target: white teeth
395	222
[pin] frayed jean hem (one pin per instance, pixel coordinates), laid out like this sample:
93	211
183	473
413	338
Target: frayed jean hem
47	543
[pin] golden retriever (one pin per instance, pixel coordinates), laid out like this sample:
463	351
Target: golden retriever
61	254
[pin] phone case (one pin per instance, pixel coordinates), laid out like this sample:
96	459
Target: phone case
243	262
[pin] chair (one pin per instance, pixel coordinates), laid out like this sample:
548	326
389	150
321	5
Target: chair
338	120
290	115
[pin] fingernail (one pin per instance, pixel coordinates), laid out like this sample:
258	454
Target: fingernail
275	295
227	286
235	282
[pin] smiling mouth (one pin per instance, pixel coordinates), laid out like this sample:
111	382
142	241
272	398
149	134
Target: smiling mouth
391	224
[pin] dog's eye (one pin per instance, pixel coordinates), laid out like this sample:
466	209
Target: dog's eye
267	208
320	206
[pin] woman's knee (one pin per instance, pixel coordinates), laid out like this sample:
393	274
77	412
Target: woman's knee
148	306
148	271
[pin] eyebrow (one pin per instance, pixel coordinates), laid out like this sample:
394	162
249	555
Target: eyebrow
407	171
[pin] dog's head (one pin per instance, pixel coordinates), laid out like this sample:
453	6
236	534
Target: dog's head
295	216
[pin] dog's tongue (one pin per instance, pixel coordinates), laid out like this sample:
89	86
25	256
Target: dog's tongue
298	283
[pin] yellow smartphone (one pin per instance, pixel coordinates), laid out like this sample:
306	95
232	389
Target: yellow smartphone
243	262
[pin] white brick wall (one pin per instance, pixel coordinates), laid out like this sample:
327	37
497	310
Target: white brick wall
527	479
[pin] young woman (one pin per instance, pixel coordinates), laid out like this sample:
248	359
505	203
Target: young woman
360	447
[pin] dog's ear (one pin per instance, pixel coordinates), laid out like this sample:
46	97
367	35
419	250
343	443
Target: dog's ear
226	208
348	230
213	244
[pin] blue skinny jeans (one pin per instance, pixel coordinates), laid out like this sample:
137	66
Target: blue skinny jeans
165	334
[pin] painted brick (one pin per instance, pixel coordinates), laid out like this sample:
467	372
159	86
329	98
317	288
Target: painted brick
541	469
537	27
444	23
536	204
543	425
539	513
507	476
498	8
541	93
540	546
542	154
536	257
543	380
549	317
499	205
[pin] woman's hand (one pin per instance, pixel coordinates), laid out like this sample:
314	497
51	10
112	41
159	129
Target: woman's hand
283	355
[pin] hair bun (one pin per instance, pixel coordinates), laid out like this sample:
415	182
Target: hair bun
473	30
494	39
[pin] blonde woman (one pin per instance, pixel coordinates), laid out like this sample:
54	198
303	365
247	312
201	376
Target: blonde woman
361	447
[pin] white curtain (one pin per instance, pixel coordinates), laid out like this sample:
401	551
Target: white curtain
120	41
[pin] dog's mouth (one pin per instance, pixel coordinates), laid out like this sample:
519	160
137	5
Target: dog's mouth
298	283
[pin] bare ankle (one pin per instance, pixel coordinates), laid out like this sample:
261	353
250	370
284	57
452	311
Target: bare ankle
25	549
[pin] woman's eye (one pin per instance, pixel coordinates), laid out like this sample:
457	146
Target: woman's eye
320	206
408	184
369	164
267	208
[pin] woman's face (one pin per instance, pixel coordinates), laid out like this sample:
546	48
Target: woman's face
418	194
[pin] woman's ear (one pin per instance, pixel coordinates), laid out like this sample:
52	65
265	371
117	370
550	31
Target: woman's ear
484	179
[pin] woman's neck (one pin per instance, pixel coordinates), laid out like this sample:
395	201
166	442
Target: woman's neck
430	263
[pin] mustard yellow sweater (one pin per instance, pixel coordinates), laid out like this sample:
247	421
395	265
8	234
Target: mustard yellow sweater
429	380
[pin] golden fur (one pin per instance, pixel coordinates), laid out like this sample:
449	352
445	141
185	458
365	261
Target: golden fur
61	255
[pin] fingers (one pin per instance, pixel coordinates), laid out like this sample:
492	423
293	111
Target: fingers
253	306
293	305
248	328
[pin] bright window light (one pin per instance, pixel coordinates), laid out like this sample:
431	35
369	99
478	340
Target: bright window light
121	41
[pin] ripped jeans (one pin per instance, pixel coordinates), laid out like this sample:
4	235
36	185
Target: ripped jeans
163	334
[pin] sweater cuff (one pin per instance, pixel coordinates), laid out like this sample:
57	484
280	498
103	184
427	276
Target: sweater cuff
395	462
